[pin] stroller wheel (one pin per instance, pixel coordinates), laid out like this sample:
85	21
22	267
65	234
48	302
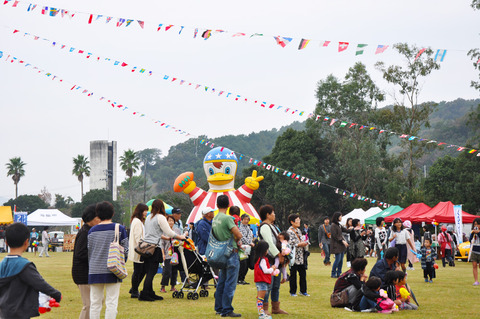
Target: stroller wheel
202	293
175	294
189	295
206	293
180	295
194	296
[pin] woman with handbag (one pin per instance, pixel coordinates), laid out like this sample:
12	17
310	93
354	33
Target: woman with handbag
338	244
156	225
136	234
347	289
100	278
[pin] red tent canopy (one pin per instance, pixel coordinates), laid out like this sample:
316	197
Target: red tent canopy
442	213
409	212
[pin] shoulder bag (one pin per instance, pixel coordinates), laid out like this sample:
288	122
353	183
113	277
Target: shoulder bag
116	256
339	299
145	249
218	252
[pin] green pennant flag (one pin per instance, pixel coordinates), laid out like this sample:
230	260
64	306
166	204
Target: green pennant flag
343	124
360	49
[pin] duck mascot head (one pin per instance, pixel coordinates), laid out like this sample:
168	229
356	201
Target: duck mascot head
220	166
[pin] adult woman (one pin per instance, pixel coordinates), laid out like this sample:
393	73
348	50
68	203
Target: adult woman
338	244
357	236
348	239
352	280
247	239
299	264
136	233
269	232
156	225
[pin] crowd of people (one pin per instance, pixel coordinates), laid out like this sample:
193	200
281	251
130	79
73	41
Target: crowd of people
275	256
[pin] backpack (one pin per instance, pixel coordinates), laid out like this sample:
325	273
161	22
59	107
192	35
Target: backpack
251	258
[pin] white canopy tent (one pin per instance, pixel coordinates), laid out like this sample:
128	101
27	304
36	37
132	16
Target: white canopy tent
50	217
353	214
370	212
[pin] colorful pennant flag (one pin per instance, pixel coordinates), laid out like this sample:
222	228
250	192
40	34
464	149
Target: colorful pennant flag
342	46
441	54
303	44
282	41
381	49
419	53
360	49
326	43
206	34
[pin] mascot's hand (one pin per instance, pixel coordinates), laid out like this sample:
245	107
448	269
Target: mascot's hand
252	181
184	183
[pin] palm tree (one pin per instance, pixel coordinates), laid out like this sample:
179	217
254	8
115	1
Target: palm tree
15	169
80	168
130	162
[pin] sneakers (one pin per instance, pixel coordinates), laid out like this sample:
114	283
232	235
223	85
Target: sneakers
369	310
304	294
231	314
163	290
476	283
410	268
426	280
430	281
348	309
173	289
293	295
264	316
349	264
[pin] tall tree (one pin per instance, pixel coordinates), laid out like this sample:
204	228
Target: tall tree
148	156
45	195
15	168
27	203
408	115
81	168
129	162
362	163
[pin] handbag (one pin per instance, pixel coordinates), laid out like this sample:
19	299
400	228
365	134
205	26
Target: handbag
116	256
174	260
339	299
145	249
218	252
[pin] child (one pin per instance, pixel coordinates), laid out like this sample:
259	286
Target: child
403	301
375	299
391	279
20	281
262	275
446	245
283	237
402	238
475	249
429	256
380	237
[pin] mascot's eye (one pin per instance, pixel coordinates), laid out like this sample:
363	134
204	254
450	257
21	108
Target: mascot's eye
210	170
227	170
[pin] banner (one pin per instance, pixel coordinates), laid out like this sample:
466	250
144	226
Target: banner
457	211
20	217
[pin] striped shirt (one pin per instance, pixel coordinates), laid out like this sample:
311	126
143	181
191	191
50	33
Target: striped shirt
99	239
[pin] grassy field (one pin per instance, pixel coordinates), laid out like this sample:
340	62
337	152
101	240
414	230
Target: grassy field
451	295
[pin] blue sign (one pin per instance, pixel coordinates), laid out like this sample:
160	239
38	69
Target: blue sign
20	217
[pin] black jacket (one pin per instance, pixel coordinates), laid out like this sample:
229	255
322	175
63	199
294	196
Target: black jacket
20	283
80	257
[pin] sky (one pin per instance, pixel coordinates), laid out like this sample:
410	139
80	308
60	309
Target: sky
47	124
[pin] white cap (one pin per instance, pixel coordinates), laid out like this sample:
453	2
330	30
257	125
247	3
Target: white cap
207	210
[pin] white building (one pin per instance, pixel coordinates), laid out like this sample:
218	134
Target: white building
103	166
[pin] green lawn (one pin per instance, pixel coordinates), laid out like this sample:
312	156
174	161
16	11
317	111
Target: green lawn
451	295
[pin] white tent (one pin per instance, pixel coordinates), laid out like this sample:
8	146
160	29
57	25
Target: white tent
353	214
370	212
50	217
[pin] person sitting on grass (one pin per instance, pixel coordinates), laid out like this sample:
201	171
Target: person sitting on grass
353	280
403	294
20	282
389	262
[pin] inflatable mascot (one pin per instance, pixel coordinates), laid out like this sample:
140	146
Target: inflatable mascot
220	165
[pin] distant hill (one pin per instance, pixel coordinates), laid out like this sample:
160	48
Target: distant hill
448	124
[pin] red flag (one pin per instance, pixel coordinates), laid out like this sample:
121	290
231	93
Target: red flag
15	31
141	23
124	64
342	46
168	27
326	43
90	19
420	53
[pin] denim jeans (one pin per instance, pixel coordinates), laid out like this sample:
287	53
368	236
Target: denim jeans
326	250
274	290
366	303
337	265
226	285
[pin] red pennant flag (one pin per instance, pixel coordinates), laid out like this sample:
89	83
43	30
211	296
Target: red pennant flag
168	27
90	19
342	46
124	64
141	23
326	43
15	31
419	53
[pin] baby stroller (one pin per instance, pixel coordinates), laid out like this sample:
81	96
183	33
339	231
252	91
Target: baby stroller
197	271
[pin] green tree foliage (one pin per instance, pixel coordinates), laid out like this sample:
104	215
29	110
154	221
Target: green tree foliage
362	164
95	196
456	180
136	193
302	153
60	201
476	4
81	168
408	116
15	168
148	157
27	203
130	162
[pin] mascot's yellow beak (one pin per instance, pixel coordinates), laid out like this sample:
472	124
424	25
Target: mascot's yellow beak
220	179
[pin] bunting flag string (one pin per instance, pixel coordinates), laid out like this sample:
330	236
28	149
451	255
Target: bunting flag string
168	78
299	177
331	122
206	34
82	90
